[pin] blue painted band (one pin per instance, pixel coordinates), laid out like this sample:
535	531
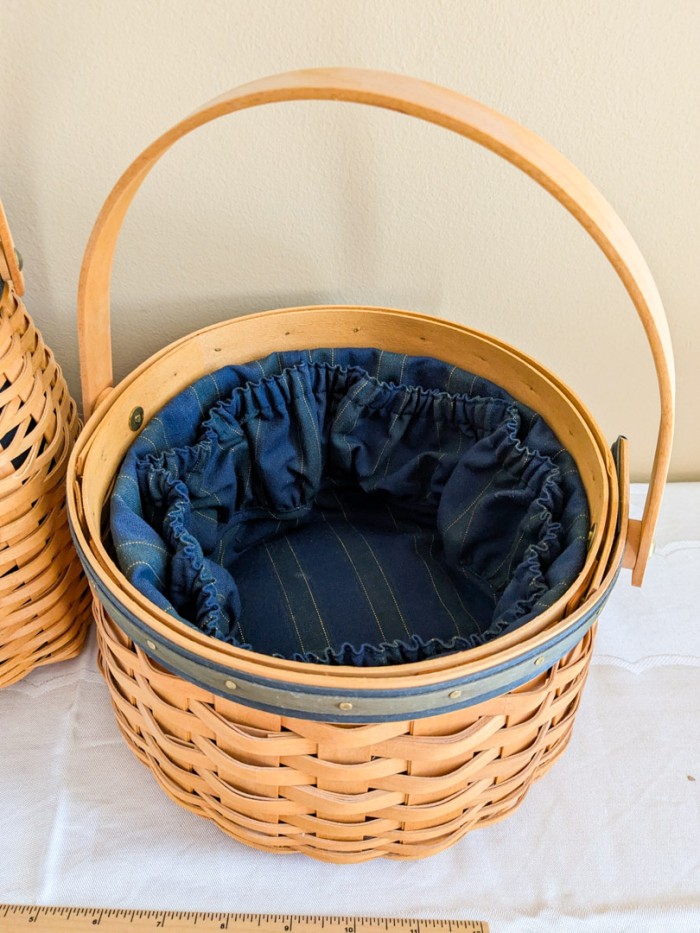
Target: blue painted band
350	705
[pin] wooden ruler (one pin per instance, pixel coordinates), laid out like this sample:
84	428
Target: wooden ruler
14	918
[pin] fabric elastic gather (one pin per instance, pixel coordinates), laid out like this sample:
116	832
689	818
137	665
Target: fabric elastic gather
349	507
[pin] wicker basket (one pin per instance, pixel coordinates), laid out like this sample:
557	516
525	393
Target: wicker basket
341	763
44	597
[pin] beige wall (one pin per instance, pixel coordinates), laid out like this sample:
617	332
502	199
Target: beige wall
332	203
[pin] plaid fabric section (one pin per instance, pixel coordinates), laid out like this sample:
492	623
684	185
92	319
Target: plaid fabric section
349	506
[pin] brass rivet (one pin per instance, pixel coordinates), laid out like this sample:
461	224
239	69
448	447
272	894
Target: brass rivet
345	705
539	661
151	645
136	418
231	684
455	695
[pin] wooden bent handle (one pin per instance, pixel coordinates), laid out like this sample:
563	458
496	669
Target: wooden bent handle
10	271
440	106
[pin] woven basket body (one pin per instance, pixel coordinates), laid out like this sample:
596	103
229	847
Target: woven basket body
44	598
336	792
347	764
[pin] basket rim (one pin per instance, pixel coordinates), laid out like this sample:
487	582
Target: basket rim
105	570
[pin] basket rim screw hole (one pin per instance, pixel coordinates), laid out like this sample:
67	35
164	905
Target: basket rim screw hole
539	661
152	645
455	694
231	684
345	705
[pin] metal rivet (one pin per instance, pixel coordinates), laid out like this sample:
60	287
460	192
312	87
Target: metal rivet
539	661
345	705
231	684
455	695
136	418
151	645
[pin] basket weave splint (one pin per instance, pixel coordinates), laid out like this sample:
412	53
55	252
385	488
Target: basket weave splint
44	597
346	763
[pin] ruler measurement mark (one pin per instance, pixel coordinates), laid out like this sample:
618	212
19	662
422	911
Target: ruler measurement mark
15	918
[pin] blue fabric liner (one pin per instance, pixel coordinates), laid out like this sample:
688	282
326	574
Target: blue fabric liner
349	506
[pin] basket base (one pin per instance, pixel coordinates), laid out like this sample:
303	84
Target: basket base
340	793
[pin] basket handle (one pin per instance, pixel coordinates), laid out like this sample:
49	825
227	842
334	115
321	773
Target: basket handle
10	263
445	108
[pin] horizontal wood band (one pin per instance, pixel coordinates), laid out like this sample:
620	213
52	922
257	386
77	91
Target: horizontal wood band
355	704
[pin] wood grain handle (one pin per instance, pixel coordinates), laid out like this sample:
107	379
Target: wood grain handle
10	270
440	106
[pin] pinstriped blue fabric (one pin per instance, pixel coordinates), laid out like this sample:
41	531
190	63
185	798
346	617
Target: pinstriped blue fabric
349	507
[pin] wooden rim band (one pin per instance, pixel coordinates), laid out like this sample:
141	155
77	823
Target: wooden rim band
508	139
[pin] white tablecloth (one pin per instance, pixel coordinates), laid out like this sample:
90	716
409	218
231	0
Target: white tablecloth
608	840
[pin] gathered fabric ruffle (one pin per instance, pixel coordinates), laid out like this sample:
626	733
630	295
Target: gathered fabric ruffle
349	507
